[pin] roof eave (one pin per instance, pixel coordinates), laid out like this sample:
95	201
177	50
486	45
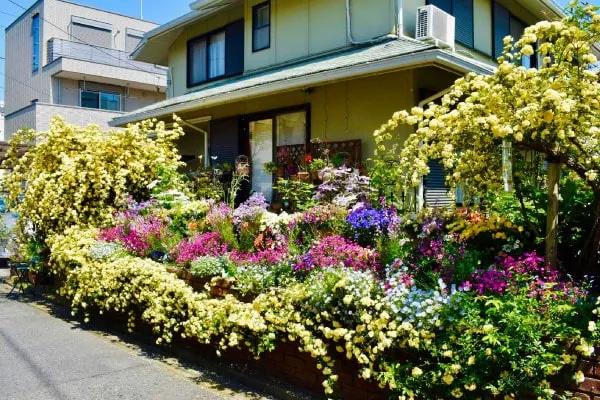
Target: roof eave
437	57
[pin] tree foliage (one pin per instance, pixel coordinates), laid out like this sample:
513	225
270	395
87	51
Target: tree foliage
553	110
79	176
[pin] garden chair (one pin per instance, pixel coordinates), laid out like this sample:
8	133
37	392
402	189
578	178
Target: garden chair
21	271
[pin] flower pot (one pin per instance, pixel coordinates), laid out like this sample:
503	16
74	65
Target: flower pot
33	277
280	171
315	176
276	207
303	176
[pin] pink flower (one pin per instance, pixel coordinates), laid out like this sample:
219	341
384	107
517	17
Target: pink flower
206	244
335	251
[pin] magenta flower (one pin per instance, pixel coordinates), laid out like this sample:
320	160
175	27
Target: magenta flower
206	244
336	251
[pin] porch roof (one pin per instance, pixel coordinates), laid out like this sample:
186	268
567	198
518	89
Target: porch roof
392	55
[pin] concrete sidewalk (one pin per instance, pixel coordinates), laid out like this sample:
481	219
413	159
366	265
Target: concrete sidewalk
43	357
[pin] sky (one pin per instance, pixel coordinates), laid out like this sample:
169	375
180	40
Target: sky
159	11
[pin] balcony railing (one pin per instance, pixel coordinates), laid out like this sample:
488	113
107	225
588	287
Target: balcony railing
79	51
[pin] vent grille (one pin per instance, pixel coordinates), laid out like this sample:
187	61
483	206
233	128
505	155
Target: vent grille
435	25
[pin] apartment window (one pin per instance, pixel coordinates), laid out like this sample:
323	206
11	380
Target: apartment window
462	10
100	100
35	36
216	55
261	26
504	24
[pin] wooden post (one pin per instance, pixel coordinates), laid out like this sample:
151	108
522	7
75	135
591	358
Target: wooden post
552	216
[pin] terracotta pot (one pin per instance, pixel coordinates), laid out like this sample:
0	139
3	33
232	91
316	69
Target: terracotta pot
33	277
303	176
280	171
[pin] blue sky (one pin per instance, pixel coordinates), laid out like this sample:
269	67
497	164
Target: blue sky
159	11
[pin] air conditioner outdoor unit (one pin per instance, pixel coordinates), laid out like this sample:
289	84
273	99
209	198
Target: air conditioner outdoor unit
435	25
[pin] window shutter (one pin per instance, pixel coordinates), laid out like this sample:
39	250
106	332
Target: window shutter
234	48
436	191
501	26
224	143
445	5
463	13
91	35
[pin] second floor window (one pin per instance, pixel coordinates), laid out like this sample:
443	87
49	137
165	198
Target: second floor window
462	10
216	55
100	100
505	24
261	26
206	58
35	36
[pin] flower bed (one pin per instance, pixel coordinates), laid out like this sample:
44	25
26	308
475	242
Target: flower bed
468	326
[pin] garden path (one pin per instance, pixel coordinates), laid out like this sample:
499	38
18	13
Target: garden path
47	358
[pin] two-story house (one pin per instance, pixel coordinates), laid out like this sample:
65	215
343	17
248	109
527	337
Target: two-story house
74	61
264	78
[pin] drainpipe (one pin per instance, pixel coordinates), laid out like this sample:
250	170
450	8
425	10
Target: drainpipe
349	30
400	19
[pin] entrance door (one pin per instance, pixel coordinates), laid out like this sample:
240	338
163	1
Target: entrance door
268	135
261	150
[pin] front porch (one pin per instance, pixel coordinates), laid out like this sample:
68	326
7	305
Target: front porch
284	127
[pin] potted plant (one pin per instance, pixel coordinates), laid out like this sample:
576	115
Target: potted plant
270	167
295	194
340	159
303	163
316	165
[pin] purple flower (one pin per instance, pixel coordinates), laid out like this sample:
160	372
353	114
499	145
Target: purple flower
251	209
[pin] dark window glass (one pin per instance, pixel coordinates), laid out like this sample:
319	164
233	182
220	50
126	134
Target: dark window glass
90	99
261	26
215	55
35	36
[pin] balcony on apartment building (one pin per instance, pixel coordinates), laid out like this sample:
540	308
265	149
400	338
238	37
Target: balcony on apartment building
79	61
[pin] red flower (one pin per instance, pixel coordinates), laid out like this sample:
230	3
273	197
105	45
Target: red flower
308	158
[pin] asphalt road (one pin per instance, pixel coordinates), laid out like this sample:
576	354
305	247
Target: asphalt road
46	358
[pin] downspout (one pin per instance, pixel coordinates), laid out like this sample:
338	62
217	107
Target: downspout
349	30
400	18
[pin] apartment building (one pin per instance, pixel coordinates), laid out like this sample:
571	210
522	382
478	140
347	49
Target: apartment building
267	79
74	61
1	120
